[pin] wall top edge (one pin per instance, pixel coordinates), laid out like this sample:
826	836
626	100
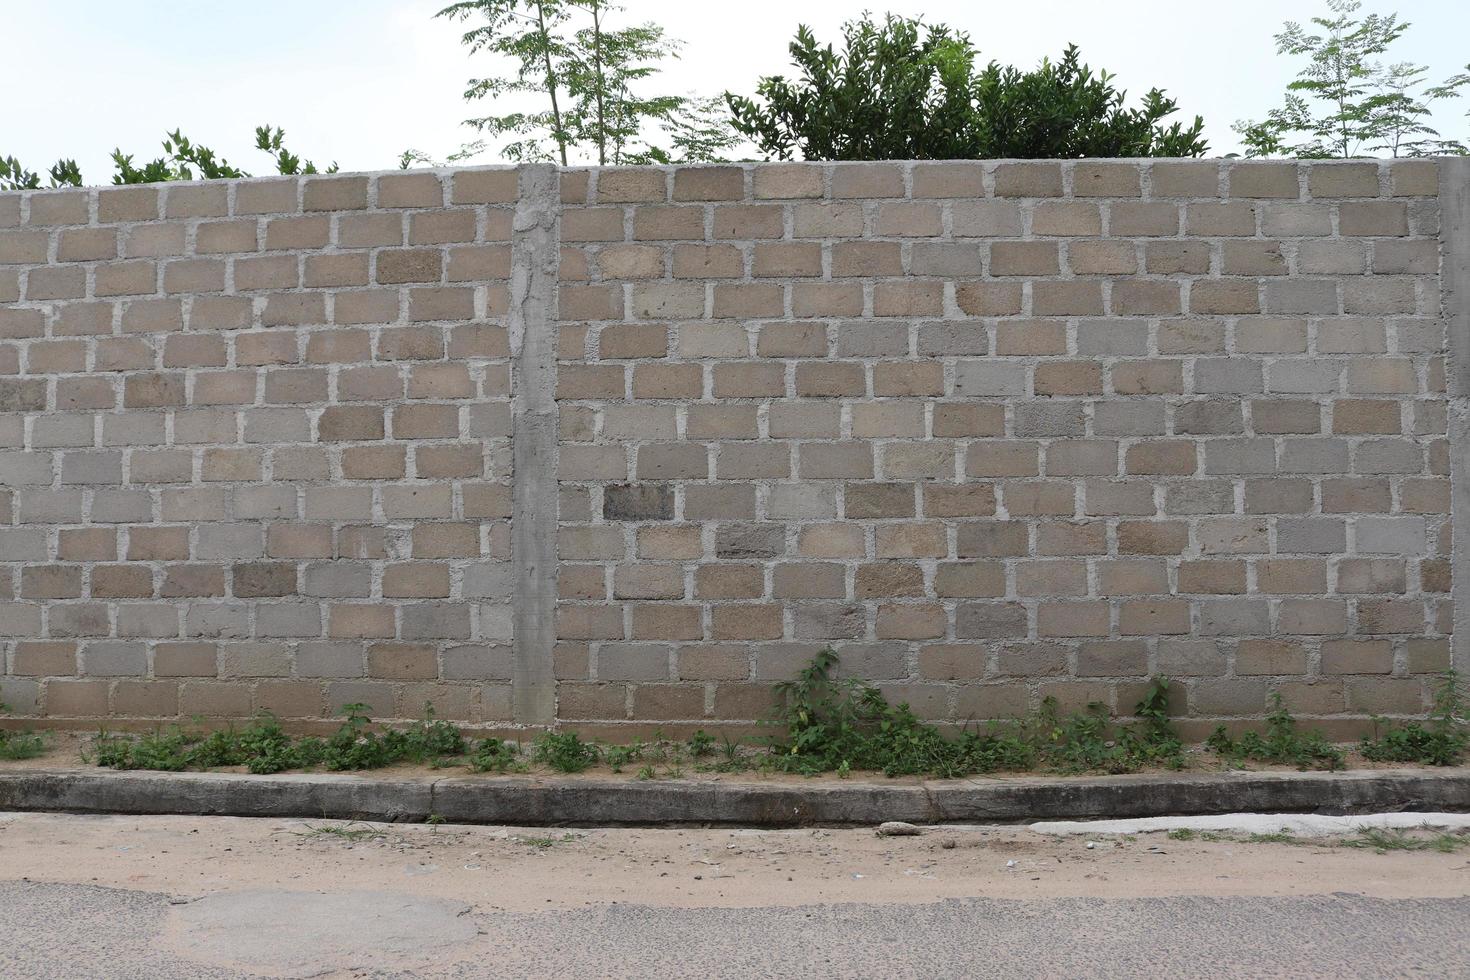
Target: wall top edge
985	165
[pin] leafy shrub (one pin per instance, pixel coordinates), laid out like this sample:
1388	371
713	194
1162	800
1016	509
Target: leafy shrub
903	90
1440	743
1282	744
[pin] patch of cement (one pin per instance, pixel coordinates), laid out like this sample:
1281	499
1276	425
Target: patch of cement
303	934
1299	824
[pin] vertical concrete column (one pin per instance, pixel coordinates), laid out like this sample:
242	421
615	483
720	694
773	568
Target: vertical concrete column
535	253
1454	234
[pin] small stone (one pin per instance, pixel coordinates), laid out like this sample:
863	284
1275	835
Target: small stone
898	828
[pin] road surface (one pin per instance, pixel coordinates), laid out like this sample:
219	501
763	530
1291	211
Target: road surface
166	897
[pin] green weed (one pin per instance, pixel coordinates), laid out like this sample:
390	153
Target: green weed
701	744
496	755
1282	744
20	745
618	756
1442	742
264	747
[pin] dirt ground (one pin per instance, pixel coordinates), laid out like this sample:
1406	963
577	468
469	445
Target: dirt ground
68	750
512	869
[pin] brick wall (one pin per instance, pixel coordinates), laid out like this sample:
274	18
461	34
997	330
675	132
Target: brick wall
995	431
256	447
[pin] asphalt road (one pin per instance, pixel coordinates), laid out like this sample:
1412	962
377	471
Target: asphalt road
66	931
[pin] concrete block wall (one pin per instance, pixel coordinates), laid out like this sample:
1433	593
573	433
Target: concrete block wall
625	455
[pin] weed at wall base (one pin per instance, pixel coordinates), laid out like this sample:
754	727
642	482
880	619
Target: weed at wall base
841	725
827	725
264	747
1442	742
1282	743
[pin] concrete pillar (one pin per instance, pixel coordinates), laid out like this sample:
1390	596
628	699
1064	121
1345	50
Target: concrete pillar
1454	234
535	254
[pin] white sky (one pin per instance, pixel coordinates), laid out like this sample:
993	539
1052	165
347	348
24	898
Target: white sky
360	80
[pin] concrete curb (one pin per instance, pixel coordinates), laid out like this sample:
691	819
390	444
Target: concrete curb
591	802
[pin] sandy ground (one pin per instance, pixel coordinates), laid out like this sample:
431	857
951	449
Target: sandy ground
501	868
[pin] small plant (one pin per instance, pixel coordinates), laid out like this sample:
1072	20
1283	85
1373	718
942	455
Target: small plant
647	772
1152	738
618	756
434	820
22	744
564	751
355	746
496	755
1282	744
701	744
1442	742
731	749
1087	741
168	750
1181	833
657	750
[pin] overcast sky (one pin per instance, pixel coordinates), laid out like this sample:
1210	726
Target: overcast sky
358	81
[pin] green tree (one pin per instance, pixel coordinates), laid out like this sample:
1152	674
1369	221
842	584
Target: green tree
590	76
1344	102
181	160
901	89
286	162
14	177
